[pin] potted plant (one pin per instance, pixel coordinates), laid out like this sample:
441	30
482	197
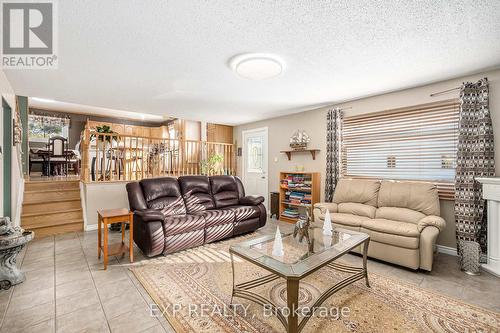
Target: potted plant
212	165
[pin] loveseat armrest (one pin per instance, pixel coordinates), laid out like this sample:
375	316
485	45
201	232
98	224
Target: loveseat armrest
323	206
149	215
251	200
431	220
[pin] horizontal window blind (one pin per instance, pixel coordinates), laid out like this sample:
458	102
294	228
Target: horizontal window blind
414	143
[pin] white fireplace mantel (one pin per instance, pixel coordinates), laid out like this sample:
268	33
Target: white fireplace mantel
491	192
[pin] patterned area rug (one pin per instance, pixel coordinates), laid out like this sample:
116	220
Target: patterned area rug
193	289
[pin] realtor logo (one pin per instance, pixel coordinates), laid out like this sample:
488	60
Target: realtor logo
28	35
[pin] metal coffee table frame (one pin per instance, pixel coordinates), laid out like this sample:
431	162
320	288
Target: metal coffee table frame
293	273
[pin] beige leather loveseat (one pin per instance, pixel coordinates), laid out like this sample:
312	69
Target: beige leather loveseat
402	218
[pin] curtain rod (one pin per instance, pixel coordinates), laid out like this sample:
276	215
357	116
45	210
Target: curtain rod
444	91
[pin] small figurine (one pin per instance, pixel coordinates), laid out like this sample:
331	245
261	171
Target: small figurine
278	244
327	224
299	140
302	228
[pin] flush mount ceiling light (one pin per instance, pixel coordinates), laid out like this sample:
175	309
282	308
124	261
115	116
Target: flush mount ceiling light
257	66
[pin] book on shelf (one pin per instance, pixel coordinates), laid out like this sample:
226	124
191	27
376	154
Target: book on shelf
291	212
297	197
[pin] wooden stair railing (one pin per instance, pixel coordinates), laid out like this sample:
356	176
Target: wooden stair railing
116	157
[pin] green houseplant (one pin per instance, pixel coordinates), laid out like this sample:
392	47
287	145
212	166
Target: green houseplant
212	165
103	129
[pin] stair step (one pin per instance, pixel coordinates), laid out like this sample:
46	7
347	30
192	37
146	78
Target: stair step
50	219
58	229
58	223
68	204
50	212
50	196
51	185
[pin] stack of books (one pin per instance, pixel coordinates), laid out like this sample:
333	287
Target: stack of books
296	197
296	182
307	198
291	212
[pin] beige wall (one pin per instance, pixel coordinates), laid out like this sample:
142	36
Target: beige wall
314	123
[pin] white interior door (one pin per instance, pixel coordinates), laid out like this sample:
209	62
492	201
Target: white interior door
255	168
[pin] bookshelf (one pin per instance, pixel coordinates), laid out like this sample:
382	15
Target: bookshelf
298	191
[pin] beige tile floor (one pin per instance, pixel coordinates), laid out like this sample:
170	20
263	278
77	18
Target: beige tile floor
67	290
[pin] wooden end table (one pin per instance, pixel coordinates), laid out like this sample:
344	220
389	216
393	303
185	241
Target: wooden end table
106	217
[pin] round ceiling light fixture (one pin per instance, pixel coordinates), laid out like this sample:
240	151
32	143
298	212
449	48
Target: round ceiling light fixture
257	66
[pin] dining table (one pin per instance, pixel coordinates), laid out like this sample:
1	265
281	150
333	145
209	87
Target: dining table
44	153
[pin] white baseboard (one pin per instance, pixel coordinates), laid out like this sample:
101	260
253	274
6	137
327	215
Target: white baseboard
91	227
447	250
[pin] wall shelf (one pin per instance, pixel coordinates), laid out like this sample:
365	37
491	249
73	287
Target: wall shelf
290	152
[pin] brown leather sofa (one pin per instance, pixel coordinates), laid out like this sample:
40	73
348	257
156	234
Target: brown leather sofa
401	217
174	214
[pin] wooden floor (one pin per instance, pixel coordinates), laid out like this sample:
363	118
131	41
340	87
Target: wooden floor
52	205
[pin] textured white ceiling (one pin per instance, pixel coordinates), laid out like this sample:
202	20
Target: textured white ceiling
170	57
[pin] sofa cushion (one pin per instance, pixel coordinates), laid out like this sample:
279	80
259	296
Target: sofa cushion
217	216
242	213
357	190
174	207
224	191
218	232
399	214
183	241
419	196
408	242
357	209
348	219
321	207
196	192
391	227
178	224
164	194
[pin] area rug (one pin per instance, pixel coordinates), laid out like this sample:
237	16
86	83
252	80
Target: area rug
192	289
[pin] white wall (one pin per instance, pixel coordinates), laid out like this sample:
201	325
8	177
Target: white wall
314	123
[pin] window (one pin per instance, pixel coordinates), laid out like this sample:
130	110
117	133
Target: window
254	154
42	127
415	143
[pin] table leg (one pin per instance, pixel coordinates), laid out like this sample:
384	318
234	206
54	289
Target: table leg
99	237
365	259
105	250
131	237
292	297
232	290
123	232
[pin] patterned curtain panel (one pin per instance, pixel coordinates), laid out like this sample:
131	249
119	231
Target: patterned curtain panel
333	149
475	158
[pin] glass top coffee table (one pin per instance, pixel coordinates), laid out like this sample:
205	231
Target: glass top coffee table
299	260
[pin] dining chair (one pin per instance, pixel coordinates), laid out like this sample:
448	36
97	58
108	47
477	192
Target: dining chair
57	147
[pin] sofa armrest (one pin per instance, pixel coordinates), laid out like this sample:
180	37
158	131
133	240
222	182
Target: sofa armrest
431	220
150	215
251	200
323	206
